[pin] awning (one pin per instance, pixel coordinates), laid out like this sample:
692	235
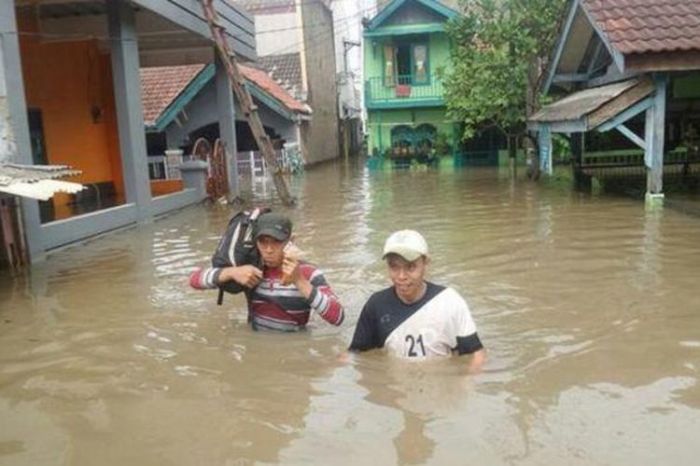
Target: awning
37	181
588	109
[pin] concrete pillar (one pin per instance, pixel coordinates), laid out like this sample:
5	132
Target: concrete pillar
227	124
127	96
11	68
654	131
194	176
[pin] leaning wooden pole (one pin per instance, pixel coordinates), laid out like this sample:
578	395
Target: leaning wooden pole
228	58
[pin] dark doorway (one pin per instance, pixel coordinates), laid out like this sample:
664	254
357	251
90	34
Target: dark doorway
39	156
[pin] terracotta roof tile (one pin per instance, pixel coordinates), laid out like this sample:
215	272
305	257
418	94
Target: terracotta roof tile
285	68
640	26
269	85
162	84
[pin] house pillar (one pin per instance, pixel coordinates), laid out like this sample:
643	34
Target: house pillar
12	82
227	124
127	96
581	181
544	139
654	153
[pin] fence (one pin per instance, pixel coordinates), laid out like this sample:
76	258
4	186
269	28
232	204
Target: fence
253	163
161	167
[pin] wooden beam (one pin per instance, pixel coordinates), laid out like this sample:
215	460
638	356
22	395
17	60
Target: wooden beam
554	63
250	110
596	55
569	126
631	136
688	60
655	174
617	57
544	139
570	78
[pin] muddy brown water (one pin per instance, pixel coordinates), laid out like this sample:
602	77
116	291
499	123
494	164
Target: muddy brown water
588	305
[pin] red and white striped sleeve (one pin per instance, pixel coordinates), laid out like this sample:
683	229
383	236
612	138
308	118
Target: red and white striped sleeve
322	298
205	279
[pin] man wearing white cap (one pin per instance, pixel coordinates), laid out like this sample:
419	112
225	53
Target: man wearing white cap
415	318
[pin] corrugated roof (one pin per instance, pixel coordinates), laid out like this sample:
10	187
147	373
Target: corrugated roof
641	26
37	181
578	104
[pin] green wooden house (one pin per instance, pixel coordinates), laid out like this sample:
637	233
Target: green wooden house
404	45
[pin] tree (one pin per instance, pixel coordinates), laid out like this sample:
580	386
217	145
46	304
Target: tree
498	51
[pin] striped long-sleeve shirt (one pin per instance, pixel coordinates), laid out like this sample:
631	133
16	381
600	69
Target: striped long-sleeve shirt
273	305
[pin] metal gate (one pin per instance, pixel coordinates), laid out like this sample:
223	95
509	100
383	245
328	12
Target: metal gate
217	183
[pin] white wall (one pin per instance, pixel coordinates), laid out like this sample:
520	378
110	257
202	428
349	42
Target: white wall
277	33
347	22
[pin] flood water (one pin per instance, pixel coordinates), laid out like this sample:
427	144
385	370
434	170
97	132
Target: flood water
588	306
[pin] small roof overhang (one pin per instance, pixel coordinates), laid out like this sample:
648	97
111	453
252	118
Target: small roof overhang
405	29
588	109
37	181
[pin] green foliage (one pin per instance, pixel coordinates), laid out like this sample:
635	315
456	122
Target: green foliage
442	144
497	46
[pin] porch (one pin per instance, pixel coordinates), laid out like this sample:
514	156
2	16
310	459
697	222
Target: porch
73	93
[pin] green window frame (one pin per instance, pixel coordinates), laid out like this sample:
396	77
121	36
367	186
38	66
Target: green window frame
420	72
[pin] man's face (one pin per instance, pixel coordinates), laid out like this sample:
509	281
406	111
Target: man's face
271	250
407	277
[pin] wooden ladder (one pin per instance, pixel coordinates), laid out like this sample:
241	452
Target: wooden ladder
250	110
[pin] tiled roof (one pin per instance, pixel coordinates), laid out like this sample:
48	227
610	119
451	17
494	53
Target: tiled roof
641	26
267	6
266	83
161	85
285	68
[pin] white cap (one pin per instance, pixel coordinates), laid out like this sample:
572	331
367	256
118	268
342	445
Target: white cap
408	244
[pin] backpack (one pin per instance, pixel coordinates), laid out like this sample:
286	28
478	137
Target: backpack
237	247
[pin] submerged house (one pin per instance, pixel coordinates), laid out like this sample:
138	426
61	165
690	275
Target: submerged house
179	104
295	42
404	45
626	74
73	94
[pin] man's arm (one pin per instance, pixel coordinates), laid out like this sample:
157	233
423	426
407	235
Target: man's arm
476	361
467	340
313	286
214	277
365	336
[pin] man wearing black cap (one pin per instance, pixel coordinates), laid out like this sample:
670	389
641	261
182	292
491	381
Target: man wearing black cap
282	294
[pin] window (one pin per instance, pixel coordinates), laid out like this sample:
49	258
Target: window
420	64
406	64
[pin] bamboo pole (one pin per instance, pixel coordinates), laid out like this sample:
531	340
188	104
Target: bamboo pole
228	58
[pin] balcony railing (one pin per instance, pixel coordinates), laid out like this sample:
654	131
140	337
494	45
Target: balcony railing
404	91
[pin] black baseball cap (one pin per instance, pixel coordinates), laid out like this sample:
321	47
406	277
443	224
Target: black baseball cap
273	224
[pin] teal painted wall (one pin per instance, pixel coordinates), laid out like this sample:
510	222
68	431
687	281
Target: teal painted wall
380	123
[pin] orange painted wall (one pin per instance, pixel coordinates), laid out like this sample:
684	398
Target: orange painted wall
65	80
163	187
